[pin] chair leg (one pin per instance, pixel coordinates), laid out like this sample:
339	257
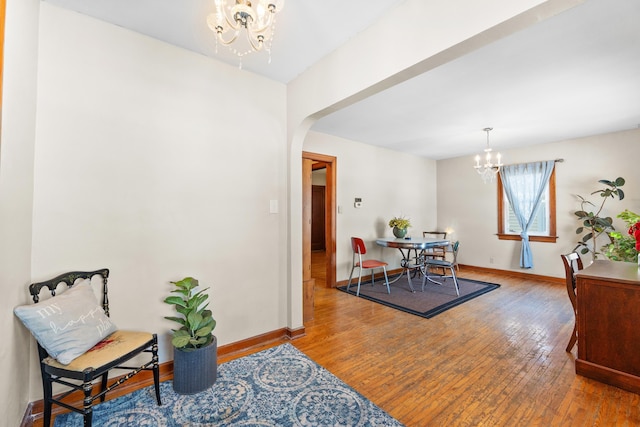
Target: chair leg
103	385
455	280
156	368
359	281
425	276
87	409
386	279
350	275
47	391
574	338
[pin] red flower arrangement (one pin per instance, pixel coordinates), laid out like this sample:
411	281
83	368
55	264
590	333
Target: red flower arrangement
634	231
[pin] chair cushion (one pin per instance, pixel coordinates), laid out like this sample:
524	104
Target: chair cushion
68	324
438	262
109	349
371	263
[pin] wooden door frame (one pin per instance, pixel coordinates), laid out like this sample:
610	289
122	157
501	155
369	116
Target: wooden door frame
330	217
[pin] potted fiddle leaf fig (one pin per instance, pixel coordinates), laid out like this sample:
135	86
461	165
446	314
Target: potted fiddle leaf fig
195	361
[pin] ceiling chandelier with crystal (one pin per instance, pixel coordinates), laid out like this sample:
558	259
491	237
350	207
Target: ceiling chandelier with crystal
255	18
488	170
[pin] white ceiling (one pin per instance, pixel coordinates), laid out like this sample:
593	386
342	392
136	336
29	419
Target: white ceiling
573	75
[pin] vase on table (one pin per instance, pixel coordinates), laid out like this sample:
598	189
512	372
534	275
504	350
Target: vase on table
399	232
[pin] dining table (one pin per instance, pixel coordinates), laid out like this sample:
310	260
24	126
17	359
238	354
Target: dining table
410	248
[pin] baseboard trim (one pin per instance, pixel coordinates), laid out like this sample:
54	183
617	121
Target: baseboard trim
464	267
511	273
34	412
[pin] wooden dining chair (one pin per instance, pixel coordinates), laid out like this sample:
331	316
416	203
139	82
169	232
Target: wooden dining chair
437	252
359	249
572	264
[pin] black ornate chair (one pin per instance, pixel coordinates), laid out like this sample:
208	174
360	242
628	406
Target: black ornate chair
110	353
572	264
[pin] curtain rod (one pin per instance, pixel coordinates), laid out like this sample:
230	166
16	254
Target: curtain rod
555	160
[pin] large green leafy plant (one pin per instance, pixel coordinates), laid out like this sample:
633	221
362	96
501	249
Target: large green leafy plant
593	225
197	323
623	245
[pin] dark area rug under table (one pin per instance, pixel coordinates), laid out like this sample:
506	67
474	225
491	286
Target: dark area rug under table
434	300
280	386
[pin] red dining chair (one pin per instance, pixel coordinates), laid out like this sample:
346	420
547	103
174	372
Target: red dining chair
359	249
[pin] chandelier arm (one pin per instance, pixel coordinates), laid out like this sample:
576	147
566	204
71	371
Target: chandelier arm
228	42
266	26
232	23
252	42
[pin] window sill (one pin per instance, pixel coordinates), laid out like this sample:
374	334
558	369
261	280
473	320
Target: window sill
544	239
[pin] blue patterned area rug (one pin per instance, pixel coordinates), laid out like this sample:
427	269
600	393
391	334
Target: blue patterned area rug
277	387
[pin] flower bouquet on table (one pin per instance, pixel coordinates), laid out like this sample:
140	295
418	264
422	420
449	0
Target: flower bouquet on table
399	226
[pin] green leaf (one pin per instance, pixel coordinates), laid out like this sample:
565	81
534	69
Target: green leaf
194	319
180	341
620	194
587	237
603	222
175	300
620	181
187	283
183	310
202	332
579	230
176	319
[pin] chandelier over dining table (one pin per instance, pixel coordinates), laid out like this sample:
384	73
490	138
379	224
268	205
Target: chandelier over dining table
255	18
488	170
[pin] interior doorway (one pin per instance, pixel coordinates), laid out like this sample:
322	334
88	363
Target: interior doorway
318	162
318	214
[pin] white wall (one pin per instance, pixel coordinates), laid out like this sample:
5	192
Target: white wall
158	163
182	184
469	207
373	60
16	190
389	183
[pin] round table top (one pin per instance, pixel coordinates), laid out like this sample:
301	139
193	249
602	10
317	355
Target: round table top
411	243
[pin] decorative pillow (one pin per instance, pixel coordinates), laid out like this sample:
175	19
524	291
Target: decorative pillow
68	324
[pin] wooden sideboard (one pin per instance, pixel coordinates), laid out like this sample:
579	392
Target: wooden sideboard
608	323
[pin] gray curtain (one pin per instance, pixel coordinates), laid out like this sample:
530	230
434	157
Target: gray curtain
524	184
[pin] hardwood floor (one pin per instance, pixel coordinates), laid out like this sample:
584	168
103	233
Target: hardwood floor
498	360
